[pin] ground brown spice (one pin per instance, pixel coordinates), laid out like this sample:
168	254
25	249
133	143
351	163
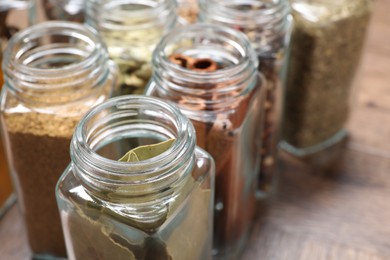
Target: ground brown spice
5	180
39	153
38	162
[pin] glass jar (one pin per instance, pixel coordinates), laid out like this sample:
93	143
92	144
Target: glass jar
65	10
13	17
188	11
268	27
326	47
159	208
54	72
131	30
225	106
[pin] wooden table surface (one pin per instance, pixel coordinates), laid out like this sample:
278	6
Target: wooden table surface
344	214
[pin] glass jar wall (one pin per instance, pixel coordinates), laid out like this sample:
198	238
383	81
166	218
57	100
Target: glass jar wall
54	72
267	24
210	72
131	30
158	208
327	43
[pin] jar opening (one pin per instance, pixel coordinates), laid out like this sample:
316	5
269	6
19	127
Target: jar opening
52	48
229	48
131	14
107	132
245	13
55	63
222	67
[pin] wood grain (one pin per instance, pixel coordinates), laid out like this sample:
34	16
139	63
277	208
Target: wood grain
342	215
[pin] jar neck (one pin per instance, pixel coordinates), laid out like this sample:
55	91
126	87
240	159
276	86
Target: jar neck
54	63
213	90
262	21
125	118
131	15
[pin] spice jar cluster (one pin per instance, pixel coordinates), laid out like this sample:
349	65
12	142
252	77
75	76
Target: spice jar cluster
137	135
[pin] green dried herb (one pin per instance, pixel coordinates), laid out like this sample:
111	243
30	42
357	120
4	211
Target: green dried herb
146	152
326	46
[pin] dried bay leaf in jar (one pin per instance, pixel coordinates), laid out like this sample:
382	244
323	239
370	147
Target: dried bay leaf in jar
267	24
54	72
210	72
131	31
159	206
327	43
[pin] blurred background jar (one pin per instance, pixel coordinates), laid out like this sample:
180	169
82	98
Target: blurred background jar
54	72
64	10
267	24
131	30
18	14
6	198
11	21
210	72
13	17
156	208
188	11
327	43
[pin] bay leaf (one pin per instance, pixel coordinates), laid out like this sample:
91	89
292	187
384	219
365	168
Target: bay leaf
146	152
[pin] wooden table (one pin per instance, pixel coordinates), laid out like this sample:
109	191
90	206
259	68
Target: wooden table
341	215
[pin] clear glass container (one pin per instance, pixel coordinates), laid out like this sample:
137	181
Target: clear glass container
188	11
159	208
268	27
131	30
326	46
54	72
225	106
64	10
13	17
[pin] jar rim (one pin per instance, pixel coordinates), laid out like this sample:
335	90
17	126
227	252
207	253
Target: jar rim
101	169
262	16
248	54
229	83
71	29
41	67
155	12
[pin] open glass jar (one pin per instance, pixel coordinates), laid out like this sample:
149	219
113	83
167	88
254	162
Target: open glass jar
131	30
210	72
267	24
54	72
326	46
158	208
